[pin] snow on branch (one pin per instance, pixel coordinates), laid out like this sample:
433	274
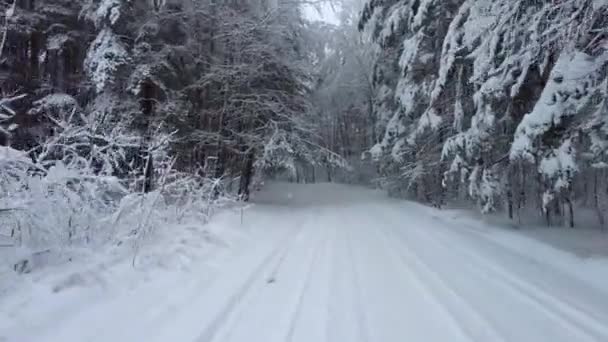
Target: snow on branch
104	57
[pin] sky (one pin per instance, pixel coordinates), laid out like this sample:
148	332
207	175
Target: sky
321	12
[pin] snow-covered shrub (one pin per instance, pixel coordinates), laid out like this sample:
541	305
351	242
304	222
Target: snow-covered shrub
59	207
66	193
68	207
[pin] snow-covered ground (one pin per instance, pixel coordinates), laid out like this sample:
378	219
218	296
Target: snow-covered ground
328	263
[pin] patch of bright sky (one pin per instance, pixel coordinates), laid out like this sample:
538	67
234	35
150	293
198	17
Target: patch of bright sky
321	12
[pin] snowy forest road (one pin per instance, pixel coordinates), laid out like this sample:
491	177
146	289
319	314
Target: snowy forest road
338	264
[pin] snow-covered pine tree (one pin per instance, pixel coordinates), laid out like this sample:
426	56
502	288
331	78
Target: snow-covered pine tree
510	111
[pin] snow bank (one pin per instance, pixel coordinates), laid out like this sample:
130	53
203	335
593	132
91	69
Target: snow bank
582	253
93	279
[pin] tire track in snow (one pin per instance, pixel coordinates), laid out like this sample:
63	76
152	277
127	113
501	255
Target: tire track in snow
557	309
485	330
252	285
343	303
552	271
511	282
331	280
330	260
319	247
431	297
356	281
490	273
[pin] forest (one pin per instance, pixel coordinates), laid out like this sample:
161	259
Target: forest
304	170
134	113
501	104
117	111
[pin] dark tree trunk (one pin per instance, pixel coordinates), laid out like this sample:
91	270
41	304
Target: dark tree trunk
149	174
596	198
246	177
510	202
35	45
558	210
570	212
148	108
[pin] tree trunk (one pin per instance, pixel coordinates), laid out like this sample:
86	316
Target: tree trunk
35	45
557	210
297	175
596	199
372	120
246	177
148	109
148	174
510	202
570	211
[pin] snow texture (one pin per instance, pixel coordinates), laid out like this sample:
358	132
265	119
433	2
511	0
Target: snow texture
106	54
323	263
570	86
102	12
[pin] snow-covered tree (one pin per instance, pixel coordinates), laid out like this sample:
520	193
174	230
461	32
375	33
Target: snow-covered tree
119	110
479	95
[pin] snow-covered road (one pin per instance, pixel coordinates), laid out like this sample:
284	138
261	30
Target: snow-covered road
338	264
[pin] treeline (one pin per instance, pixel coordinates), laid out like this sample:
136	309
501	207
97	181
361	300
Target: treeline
498	103
219	85
119	117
